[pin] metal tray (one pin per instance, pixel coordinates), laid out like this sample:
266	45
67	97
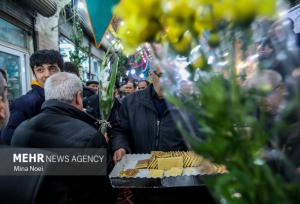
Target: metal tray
142	181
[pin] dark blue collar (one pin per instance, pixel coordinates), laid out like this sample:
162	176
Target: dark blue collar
39	90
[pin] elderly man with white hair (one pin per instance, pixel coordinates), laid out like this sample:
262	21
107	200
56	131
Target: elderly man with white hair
62	116
63	124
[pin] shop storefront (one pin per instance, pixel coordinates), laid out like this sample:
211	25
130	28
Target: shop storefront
65	47
20	36
90	68
19	39
14	57
95	68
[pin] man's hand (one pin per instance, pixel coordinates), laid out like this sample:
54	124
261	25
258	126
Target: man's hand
298	170
106	137
119	154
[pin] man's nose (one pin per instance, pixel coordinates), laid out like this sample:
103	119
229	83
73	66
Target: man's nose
47	73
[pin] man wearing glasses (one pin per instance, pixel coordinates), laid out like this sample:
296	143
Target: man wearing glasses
43	63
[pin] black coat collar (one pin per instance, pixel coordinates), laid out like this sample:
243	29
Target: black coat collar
150	95
61	108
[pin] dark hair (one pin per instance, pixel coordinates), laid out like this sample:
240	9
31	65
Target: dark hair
3	72
147	82
122	83
46	57
134	84
267	43
3	76
91	82
71	68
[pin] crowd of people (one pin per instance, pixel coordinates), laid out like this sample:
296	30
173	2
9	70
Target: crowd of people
61	112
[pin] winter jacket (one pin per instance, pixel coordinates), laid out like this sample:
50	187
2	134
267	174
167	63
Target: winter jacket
60	125
71	127
24	107
113	117
141	129
87	92
91	105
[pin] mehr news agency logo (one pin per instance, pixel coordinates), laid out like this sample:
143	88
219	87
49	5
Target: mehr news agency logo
21	160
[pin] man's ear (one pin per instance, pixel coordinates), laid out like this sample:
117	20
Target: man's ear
2	110
78	98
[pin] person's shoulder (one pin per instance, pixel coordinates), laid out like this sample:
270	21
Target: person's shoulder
27	100
22	134
23	101
25	125
77	122
83	131
36	93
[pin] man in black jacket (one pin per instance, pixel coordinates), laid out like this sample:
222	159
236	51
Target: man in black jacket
63	124
146	124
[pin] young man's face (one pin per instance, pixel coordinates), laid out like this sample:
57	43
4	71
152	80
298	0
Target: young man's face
94	87
42	72
129	88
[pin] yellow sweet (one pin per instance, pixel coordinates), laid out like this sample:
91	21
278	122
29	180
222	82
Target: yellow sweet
169	162
174	171
154	173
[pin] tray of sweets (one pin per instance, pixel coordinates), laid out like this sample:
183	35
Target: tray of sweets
163	170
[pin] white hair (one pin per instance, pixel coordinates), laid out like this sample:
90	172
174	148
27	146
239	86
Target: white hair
62	86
